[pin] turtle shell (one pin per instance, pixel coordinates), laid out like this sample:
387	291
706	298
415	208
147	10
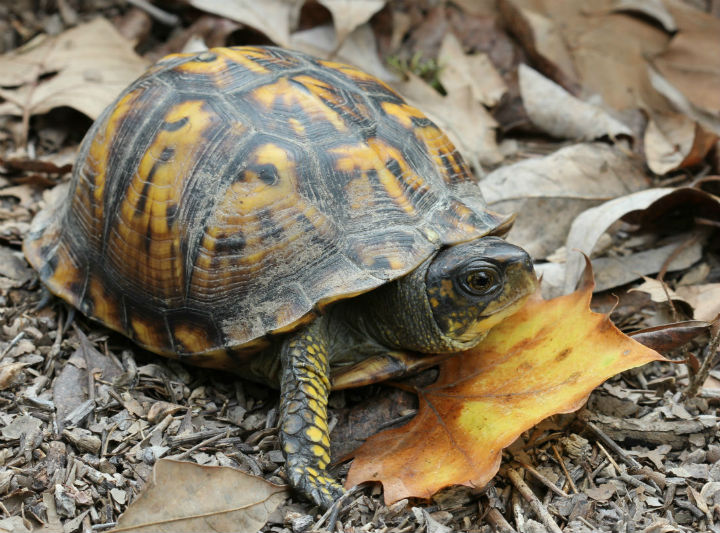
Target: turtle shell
229	195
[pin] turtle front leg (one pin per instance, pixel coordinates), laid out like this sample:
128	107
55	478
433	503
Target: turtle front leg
304	389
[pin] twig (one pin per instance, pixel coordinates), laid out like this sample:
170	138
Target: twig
518	511
564	469
199	445
155	12
710	355
332	513
497	520
545	481
17	338
614	447
533	500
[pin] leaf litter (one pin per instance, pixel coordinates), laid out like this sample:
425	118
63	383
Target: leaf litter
78	438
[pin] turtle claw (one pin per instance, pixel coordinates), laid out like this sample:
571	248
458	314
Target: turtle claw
315	485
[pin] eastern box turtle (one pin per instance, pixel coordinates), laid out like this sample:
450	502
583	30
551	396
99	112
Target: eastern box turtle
287	218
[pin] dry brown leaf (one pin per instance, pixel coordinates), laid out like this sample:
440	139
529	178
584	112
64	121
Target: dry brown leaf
459	70
24	193
541	38
674	141
616	271
590	225
556	112
654	9
602	52
182	496
691	62
85	68
349	14
704	299
543	360
273	18
667	337
587	228
470	127
359	48
558	187
9	374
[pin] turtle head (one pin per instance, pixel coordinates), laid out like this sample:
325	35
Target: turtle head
449	302
473	286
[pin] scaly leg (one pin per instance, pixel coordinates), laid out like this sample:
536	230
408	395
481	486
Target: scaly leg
304	389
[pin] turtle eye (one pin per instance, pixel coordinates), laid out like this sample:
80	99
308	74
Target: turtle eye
480	280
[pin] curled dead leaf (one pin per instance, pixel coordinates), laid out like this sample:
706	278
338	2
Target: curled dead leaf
670	336
270	17
674	141
474	71
558	113
85	68
543	360
349	14
564	183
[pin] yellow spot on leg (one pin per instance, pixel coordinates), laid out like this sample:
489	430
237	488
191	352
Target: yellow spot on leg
315	435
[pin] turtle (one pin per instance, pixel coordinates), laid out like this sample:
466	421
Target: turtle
287	218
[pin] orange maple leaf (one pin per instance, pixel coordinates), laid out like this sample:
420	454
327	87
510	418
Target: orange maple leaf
545	359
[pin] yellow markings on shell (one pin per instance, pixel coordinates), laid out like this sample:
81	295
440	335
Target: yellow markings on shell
442	151
403	113
65	274
244	200
216	66
143	332
361	158
156	186
463	213
244	57
284	94
97	158
321	88
356	74
376	155
193	339
294	325
105	306
252	194
297	126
